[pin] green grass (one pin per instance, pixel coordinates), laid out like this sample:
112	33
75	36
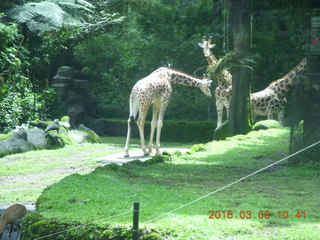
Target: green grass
160	188
31	172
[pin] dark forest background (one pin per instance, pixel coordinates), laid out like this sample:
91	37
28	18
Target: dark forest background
118	42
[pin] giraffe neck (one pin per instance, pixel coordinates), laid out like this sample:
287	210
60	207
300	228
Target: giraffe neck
177	77
284	84
211	59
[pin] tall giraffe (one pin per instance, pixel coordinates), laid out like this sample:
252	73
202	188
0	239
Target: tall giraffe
223	91
271	101
156	89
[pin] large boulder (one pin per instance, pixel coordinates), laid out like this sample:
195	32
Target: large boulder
22	141
266	124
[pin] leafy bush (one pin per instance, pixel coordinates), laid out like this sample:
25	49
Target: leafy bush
35	226
172	130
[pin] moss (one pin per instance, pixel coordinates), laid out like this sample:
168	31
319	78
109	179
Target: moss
35	226
266	124
157	159
65	119
177	153
92	136
198	148
5	136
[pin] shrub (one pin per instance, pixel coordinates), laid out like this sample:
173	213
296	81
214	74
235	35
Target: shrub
172	130
35	226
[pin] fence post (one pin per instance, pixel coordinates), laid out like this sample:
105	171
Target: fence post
135	230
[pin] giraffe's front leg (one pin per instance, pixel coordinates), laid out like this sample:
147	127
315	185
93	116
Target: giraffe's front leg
219	106
162	110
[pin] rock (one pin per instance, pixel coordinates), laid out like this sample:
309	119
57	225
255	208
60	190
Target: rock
39	124
21	134
54	139
65	71
266	124
91	104
93	137
59	79
61	88
22	141
37	138
52	126
80	84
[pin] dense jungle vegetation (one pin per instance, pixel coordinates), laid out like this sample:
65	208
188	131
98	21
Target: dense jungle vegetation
121	41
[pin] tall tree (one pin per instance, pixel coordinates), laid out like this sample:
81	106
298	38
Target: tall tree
239	115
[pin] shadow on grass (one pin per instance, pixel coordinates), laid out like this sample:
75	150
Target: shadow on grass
160	188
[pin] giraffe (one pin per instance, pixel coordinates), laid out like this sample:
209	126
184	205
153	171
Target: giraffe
223	91
156	90
271	101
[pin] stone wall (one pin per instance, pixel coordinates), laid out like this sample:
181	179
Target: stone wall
73	88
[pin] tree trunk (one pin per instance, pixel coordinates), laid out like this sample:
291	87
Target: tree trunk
240	22
311	130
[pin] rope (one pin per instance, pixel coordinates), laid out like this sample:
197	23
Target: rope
230	184
67	230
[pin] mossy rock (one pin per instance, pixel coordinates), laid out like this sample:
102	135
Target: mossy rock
65	119
266	124
5	136
177	153
92	136
157	159
198	148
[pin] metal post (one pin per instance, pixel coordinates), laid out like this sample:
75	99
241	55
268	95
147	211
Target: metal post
135	230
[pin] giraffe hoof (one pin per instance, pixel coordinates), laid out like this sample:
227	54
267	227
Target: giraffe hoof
126	155
146	154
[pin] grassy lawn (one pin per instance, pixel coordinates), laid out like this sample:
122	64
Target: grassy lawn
24	176
279	203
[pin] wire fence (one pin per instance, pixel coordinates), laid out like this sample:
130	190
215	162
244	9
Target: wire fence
195	200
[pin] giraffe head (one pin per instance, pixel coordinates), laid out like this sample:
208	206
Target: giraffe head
205	85
206	45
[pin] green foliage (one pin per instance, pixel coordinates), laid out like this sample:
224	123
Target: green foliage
152	36
230	60
50	15
36	226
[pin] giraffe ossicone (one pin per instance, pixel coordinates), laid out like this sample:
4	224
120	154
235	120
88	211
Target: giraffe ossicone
156	90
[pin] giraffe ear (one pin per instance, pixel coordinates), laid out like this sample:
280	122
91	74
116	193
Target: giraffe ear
212	45
201	45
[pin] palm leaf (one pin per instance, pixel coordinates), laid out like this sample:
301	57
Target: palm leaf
50	11
232	59
22	14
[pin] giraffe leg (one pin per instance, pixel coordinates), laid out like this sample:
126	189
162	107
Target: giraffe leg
126	149
280	117
219	106
140	122
159	126
153	126
227	109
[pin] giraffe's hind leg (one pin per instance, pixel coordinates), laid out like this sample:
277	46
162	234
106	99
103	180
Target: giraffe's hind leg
153	126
